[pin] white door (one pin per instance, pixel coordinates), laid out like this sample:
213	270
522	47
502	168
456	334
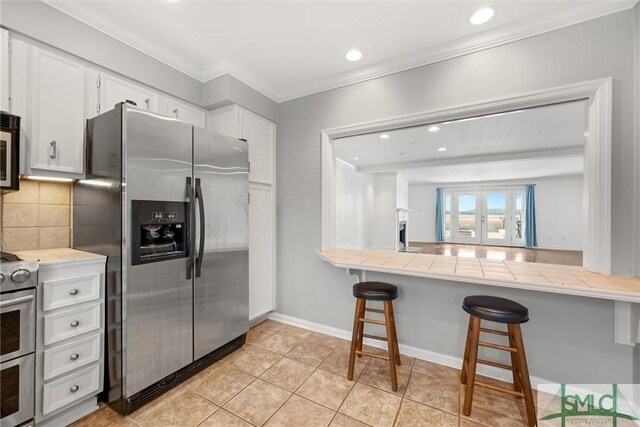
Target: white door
112	90
58	113
497	218
260	134
261	250
467	225
185	113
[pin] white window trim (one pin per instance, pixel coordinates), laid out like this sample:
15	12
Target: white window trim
597	172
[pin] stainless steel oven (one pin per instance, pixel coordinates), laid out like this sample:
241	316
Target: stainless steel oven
9	152
18	280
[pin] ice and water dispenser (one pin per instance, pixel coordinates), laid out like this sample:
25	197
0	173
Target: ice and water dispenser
160	231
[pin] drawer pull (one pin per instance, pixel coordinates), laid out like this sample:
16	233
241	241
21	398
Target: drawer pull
74	323
73	292
74	388
74	356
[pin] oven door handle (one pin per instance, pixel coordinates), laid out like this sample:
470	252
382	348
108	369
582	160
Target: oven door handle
16	301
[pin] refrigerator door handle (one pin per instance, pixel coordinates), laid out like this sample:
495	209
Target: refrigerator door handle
202	230
192	222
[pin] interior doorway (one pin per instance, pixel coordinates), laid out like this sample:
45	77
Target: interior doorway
492	217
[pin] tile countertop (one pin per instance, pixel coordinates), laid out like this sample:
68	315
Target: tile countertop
55	256
563	279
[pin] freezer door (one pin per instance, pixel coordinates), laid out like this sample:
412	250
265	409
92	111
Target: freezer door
157	296
221	285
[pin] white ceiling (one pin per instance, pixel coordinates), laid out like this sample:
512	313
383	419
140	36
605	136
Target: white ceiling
536	142
287	49
511	170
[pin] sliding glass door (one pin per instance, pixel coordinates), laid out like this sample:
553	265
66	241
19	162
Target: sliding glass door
488	217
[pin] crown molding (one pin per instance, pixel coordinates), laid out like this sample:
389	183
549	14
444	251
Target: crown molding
502	35
505	34
79	11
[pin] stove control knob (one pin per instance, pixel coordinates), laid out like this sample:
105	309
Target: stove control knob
20	276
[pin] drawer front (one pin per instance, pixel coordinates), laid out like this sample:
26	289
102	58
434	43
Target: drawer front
68	357
60	326
74	290
70	389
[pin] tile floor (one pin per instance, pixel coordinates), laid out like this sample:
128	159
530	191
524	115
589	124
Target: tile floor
287	376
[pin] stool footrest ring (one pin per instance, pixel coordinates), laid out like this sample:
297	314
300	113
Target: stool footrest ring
500	389
375	337
375	356
497	346
493	331
496	364
377	322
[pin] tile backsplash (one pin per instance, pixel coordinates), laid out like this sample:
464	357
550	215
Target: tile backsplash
36	217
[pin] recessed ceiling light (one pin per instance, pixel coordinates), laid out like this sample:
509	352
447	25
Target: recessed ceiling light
384	136
172	1
477	179
355	158
433	129
481	16
354	55
442	149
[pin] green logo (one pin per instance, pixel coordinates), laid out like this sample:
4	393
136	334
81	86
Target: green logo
605	408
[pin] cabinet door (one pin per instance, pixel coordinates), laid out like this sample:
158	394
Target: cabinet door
185	113
260	134
261	250
112	90
4	70
58	113
225	120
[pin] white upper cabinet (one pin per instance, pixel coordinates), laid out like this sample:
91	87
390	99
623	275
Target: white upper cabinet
56	108
184	112
259	132
113	90
4	70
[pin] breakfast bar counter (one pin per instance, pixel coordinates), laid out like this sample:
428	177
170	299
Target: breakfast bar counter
552	278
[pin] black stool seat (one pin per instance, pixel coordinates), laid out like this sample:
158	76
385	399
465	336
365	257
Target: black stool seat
494	309
375	291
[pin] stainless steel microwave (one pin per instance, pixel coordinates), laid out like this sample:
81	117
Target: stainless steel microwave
9	152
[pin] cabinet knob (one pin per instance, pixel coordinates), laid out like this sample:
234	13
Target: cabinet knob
74	356
74	388
175	111
147	101
74	323
73	292
54	150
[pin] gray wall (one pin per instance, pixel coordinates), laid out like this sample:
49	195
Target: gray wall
569	338
227	90
47	25
50	26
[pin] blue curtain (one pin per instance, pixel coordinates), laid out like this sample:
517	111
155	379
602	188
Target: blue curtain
530	236
439	215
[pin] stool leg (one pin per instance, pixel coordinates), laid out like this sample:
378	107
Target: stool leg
361	315
394	341
517	386
471	364
388	312
524	375
467	346
354	337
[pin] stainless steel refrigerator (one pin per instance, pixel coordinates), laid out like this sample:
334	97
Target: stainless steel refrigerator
167	203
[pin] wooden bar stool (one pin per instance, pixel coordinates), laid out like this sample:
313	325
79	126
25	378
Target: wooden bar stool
375	291
512	314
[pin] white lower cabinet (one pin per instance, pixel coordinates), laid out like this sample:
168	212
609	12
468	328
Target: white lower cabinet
70	340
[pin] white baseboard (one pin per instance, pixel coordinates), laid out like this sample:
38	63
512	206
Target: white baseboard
418	353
